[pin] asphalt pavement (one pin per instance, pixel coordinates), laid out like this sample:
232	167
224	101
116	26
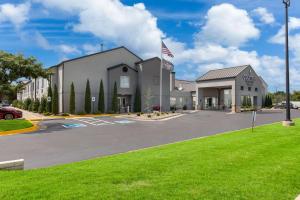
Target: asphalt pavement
65	141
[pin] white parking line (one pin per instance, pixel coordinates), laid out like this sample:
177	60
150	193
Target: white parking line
94	122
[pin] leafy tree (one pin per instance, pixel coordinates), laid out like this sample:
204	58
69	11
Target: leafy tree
295	96
49	103
101	101
55	101
114	105
87	102
72	99
13	67
137	100
43	105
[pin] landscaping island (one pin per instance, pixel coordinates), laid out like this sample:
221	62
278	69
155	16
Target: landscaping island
10	125
237	165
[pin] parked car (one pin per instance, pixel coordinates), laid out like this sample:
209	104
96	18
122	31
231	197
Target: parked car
4	103
10	113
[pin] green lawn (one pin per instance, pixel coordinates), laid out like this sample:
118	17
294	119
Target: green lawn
239	165
8	125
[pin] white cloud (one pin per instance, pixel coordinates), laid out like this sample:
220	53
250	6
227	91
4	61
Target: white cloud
63	49
279	38
264	15
228	25
15	14
294	44
90	49
132	26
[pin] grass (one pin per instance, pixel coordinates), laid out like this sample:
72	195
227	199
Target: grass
9	125
264	165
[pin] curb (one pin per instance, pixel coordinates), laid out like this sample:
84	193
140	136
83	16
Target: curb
72	117
34	127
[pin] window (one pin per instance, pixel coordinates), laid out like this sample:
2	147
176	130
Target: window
249	88
124	82
242	87
256	89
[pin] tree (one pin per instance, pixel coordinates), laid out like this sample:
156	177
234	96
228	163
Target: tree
244	103
87	102
101	101
55	101
72	99
14	67
268	101
49	103
114	105
43	105
137	100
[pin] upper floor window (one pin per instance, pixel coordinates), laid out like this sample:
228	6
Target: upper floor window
249	88
124	82
242	87
256	89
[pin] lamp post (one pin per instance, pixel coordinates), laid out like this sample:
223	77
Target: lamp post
288	121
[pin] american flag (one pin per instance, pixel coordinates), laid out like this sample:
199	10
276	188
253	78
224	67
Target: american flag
165	50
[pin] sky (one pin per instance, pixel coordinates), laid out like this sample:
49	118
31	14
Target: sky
202	34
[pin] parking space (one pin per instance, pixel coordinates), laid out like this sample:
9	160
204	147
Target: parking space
78	139
95	121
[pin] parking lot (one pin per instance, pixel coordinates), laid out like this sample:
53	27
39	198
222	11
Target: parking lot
64	141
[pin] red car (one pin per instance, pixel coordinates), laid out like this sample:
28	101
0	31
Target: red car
9	113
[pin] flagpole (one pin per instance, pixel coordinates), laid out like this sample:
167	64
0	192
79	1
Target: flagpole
160	85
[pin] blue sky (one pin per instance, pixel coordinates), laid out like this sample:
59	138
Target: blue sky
203	34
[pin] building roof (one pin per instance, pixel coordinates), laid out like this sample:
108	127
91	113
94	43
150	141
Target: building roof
121	47
185	85
147	60
231	72
121	65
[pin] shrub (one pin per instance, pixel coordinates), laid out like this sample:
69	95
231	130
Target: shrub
43	105
81	113
46	113
15	103
158	114
36	105
137	100
101	102
149	116
114	105
49	103
87	98
55	101
72	99
138	114
64	114
27	104
173	108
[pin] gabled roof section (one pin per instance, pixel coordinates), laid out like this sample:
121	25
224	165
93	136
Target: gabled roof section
185	85
225	73
101	52
147	60
121	65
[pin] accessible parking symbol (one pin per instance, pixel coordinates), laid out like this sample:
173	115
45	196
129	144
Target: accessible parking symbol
74	125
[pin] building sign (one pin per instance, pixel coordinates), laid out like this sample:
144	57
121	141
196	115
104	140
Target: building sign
249	79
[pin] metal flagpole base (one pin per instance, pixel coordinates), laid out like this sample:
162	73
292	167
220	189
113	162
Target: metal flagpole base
288	123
